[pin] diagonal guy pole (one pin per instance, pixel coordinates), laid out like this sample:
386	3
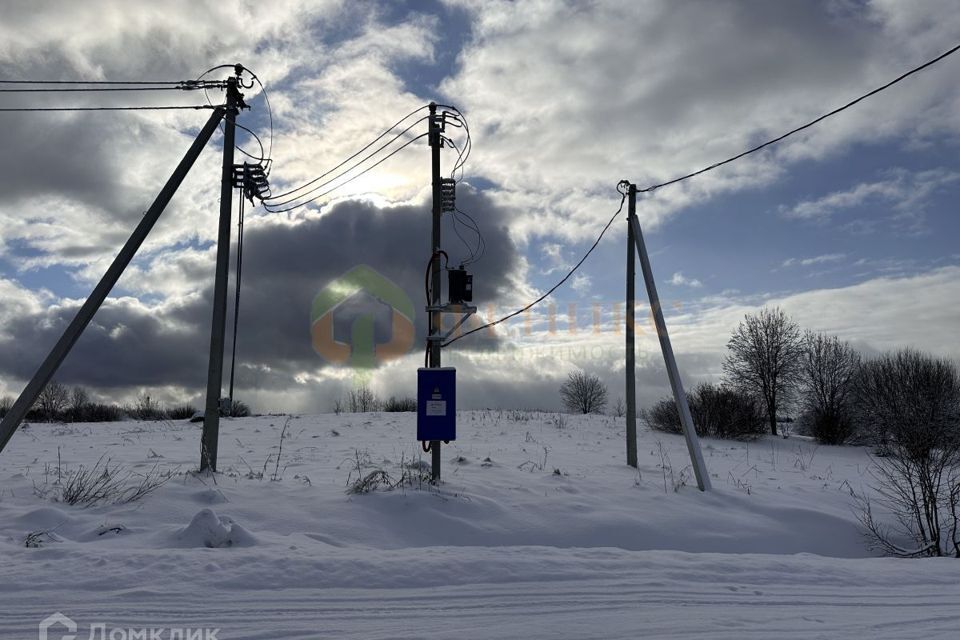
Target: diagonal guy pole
11	421
686	420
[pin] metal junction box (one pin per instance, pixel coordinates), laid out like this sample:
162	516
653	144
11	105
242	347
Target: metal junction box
437	404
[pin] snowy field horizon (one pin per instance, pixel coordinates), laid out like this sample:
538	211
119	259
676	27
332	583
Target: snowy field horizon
538	530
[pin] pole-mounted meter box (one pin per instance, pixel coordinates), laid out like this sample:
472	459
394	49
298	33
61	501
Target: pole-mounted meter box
437	404
459	286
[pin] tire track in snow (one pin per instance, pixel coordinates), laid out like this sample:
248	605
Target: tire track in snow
581	609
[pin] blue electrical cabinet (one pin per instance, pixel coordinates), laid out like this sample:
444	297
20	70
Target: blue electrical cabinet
437	404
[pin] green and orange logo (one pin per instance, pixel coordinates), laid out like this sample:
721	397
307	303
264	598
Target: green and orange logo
361	350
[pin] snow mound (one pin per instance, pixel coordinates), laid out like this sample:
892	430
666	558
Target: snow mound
207	529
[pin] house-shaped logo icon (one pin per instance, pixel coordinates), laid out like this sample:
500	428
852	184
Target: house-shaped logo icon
48	626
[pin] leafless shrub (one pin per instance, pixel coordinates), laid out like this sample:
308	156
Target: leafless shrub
910	402
146	408
365	477
398	405
235	409
619	410
370	482
362	400
37	539
6	403
721	412
583	393
829	371
283	434
535	465
79	399
53	400
181	412
101	483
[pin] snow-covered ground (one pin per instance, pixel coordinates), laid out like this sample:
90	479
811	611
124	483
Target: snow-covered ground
539	531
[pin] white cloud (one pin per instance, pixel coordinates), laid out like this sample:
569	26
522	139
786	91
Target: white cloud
905	191
681	280
582	284
567	97
821	259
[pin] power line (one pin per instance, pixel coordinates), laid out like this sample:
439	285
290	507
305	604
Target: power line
97	82
317	197
805	126
138	108
705	170
272	200
89	89
553	288
367	146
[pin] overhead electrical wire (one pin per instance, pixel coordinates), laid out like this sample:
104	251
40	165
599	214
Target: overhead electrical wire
199	81
136	108
459	216
553	288
276	203
317	187
471	224
367	146
255	137
266	98
86	89
236	303
711	167
97	82
802	127
349	180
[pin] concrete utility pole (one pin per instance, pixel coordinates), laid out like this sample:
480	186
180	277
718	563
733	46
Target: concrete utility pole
435	317
631	354
11	421
679	396
211	418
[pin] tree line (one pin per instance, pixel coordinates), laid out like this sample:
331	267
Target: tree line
903	404
59	403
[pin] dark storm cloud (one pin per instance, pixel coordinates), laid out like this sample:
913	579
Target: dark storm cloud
130	345
286	266
75	154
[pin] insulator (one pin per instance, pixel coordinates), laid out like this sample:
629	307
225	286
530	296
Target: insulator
448	195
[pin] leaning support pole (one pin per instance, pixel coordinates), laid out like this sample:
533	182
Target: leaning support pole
11	421
631	390
211	417
686	420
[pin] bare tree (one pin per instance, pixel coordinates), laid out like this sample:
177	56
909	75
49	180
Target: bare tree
583	393
829	370
6	402
79	399
619	409
764	359
911	402
53	400
362	400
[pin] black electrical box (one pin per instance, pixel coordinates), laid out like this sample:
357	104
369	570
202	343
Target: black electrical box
460	286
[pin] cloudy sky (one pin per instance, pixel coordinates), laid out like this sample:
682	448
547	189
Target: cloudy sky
852	226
